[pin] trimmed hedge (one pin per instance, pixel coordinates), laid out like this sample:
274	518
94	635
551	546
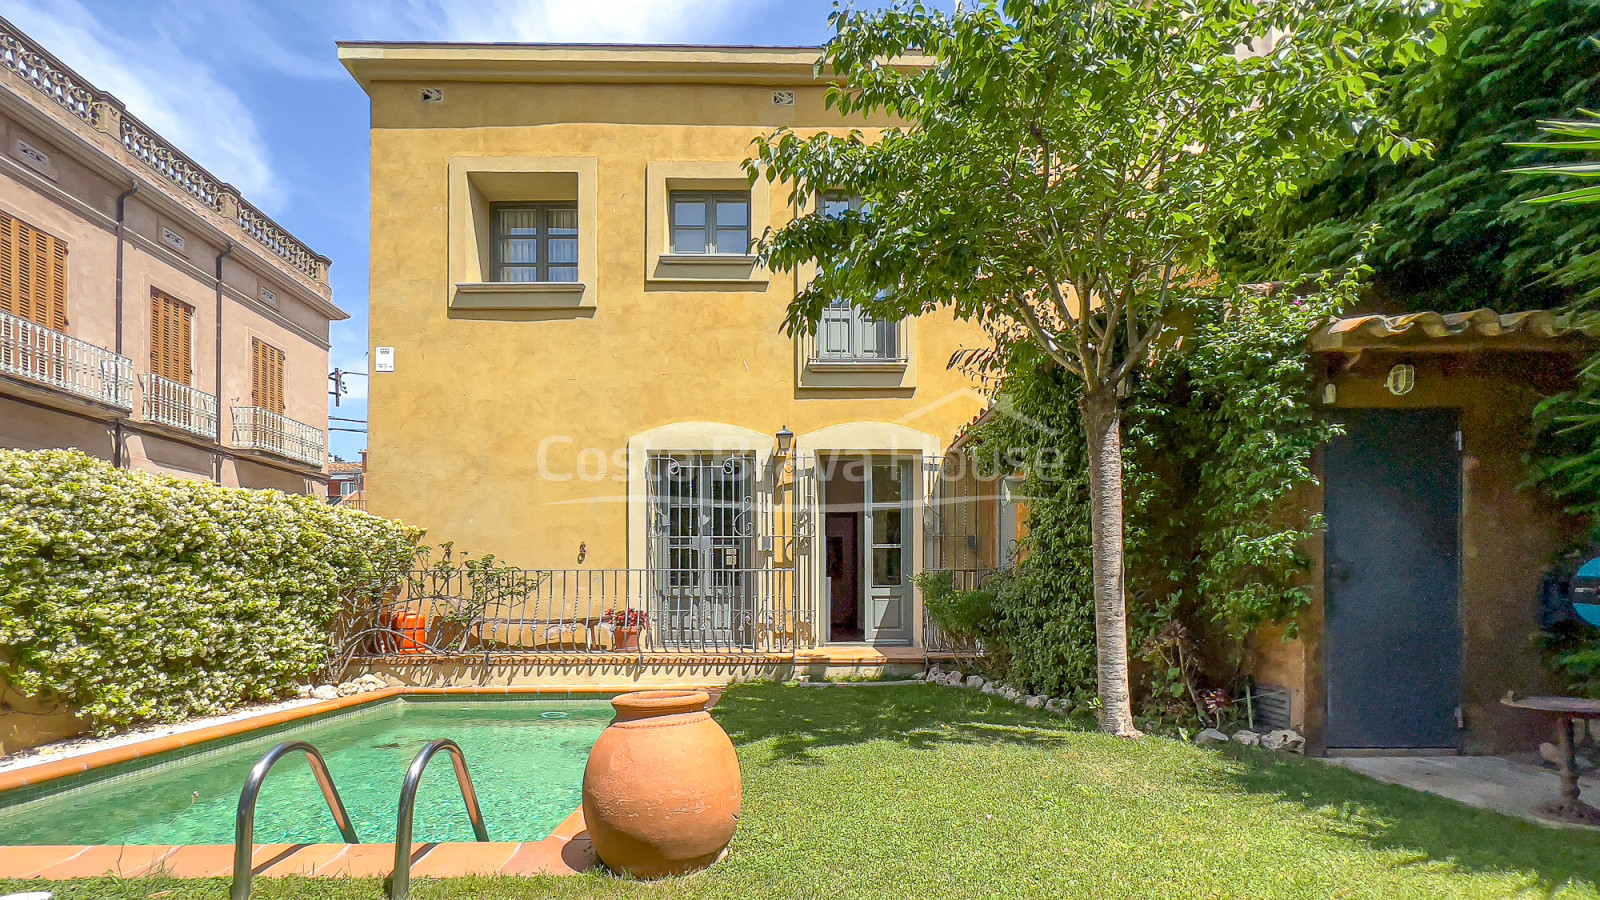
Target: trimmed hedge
131	596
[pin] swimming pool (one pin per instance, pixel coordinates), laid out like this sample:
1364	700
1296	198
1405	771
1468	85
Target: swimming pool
527	759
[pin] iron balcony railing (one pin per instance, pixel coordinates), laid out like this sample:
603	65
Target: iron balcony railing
44	356
577	611
847	336
166	402
255	428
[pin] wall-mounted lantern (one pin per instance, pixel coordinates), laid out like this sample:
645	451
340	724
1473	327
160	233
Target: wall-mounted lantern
785	442
1402	378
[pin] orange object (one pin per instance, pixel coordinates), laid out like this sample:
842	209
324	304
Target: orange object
413	629
662	790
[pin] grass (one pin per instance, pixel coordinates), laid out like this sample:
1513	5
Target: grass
912	792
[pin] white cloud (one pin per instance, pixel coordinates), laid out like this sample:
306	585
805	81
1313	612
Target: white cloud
176	94
596	21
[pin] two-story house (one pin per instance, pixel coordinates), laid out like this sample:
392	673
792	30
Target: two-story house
149	314
580	367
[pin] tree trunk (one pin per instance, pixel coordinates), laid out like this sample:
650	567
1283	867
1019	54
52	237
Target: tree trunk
1102	420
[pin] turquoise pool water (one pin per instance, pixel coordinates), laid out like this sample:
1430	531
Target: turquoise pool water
527	760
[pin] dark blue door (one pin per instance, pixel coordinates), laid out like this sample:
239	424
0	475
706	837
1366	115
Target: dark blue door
1392	639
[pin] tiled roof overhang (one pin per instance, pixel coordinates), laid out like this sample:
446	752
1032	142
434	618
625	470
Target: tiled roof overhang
1481	329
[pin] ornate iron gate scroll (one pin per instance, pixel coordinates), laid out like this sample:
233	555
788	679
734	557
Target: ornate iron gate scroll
701	548
797	541
729	550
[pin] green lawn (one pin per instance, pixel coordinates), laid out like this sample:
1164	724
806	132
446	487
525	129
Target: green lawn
929	792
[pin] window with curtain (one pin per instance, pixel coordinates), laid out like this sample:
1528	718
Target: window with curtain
266	376
706	222
171	323
33	274
535	242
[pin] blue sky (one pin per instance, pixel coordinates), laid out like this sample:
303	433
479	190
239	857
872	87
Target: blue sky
253	92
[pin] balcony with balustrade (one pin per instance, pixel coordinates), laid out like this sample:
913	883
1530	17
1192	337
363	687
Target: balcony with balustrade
104	113
264	431
42	357
178	406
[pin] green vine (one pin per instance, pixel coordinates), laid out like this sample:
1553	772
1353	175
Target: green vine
1218	438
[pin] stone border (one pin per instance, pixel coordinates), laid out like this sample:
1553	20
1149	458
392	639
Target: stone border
954	678
1286	739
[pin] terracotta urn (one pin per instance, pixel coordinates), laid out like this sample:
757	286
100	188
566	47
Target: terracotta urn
662	789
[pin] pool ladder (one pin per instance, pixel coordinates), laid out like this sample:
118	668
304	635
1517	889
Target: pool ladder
399	883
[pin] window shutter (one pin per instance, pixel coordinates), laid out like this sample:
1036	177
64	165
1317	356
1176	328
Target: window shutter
171	322
33	274
266	376
8	265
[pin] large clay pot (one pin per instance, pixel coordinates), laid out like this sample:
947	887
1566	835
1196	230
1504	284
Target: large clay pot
662	789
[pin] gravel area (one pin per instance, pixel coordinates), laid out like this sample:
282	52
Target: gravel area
79	746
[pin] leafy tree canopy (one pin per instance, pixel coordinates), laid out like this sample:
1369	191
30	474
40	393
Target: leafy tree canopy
1454	232
1066	170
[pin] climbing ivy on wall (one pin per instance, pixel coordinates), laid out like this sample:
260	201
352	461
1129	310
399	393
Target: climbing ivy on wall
1453	231
1218	438
129	596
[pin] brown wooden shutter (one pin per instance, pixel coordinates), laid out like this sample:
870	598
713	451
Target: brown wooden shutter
33	274
266	376
171	331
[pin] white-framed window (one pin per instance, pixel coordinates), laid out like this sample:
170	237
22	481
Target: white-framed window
710	222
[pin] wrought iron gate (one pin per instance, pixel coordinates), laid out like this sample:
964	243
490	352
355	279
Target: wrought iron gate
702	540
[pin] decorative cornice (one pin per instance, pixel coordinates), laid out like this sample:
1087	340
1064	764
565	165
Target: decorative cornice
582	63
106	114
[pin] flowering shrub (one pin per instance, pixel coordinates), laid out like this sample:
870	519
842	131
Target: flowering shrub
625	618
132	596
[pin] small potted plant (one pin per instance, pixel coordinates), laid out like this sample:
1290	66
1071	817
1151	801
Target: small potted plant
625	625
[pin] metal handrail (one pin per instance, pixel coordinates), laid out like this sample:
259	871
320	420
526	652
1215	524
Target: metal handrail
244	830
400	881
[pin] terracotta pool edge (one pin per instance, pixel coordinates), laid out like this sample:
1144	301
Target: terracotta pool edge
40	773
62	768
566	851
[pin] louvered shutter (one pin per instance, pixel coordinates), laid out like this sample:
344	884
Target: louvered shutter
266	376
33	274
171	323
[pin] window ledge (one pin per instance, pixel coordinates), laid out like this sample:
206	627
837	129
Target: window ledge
708	268
856	365
731	260
519	295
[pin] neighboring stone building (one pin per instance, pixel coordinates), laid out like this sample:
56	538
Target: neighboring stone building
579	365
149	315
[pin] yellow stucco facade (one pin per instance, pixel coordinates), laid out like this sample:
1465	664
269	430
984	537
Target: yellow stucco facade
519	419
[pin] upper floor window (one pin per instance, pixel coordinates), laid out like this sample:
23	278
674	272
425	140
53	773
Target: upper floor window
846	332
835	203
171	325
266	376
33	274
707	222
535	242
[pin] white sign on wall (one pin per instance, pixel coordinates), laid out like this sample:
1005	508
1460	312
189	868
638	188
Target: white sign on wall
384	360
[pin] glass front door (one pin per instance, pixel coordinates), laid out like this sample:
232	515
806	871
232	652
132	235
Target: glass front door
888	491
